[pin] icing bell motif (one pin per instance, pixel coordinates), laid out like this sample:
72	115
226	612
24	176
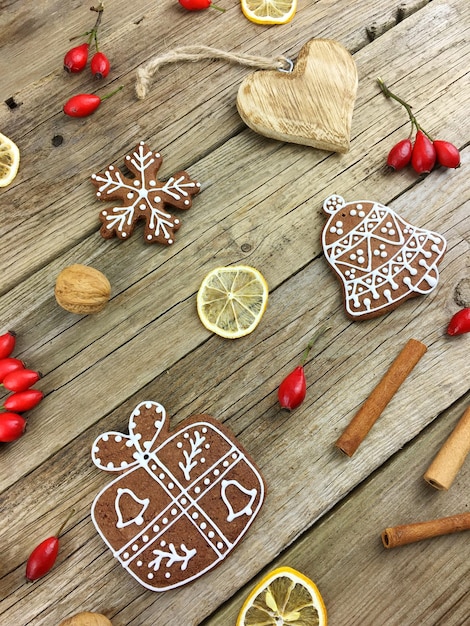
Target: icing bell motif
182	500
381	259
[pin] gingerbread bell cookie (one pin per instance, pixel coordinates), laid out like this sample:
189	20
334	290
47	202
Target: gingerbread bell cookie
181	501
380	258
143	197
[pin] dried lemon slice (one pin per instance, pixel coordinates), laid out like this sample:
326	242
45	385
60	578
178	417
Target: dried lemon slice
284	596
9	160
231	300
269	11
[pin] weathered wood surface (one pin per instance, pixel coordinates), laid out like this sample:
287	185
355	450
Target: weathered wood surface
260	204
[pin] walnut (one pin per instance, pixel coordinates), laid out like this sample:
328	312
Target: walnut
86	619
82	289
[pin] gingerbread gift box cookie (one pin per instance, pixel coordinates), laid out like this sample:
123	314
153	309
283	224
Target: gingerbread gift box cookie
380	258
143	197
181	501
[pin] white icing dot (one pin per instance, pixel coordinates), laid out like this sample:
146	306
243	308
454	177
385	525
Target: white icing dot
339	223
225	463
154	467
376	252
339	231
204	430
195	515
118	438
361	214
110	465
389	224
124	234
234	455
186	435
220	545
358	206
183	501
157	199
207	446
333	229
352	257
124	463
211	534
206	482
156	528
139	563
384	255
216	472
361	259
170	241
179	444
152	183
145	538
186	202
130	195
167	575
176	222
171	485
150	576
197	489
353	212
203	526
105	437
174	511
111	167
129	443
391	231
165	520
149	237
202	459
162	543
125	555
135	547
161	476
142	207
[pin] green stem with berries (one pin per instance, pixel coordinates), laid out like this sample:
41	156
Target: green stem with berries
414	122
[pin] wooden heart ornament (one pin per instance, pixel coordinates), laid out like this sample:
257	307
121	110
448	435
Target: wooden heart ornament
312	105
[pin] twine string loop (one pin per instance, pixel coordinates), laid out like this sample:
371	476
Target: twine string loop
146	73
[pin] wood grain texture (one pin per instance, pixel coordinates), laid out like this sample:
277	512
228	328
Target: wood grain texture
260	204
311	105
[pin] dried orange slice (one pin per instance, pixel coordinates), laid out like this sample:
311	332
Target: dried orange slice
9	160
284	597
269	11
231	300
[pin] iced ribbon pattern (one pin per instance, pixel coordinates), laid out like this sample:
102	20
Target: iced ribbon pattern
182	500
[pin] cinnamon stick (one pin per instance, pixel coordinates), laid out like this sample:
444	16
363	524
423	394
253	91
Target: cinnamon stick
372	408
450	458
409	533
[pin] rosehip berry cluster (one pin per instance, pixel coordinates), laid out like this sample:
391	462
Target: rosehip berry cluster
75	61
425	152
16	378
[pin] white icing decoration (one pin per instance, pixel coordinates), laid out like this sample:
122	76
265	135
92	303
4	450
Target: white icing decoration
247	509
159	222
190	457
172	557
378	253
138	519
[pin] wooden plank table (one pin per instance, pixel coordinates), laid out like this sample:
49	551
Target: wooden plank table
260	204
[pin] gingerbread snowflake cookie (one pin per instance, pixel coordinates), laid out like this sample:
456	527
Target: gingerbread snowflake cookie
380	258
143	197
181	501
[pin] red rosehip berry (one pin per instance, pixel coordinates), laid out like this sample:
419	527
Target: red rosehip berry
21	379
23	400
42	558
447	154
7	343
198	5
12	426
459	323
76	58
9	364
423	156
100	65
400	155
84	104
